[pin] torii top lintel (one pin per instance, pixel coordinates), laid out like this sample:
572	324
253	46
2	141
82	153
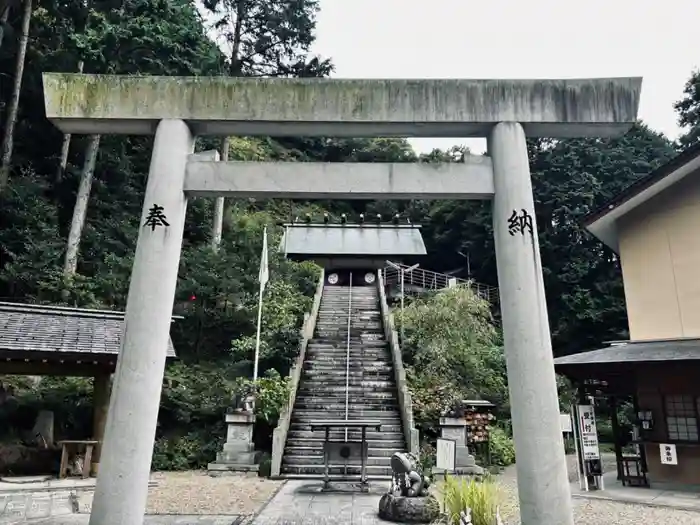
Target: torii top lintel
109	104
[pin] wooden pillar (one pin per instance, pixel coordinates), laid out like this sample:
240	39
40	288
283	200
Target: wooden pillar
617	436
102	385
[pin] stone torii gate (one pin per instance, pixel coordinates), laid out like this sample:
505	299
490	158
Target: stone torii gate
177	109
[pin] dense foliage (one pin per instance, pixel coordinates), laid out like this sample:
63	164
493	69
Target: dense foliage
217	289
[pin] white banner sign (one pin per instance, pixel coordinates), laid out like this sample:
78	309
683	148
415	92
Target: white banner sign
668	454
565	422
589	432
445	454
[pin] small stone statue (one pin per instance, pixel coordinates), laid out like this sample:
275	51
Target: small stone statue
408	500
408	478
243	400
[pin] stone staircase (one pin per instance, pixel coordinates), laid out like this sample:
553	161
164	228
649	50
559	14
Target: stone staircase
322	389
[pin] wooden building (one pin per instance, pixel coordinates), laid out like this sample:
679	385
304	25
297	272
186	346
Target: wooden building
40	340
653	229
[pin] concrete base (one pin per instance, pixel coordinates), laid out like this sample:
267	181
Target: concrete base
221	469
31	498
238	454
455	428
651	497
401	509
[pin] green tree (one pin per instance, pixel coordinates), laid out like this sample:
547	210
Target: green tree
452	351
688	109
571	178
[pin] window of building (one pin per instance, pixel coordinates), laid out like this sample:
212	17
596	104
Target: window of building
681	418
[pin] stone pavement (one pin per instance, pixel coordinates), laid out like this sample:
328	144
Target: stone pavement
614	491
164	519
303	503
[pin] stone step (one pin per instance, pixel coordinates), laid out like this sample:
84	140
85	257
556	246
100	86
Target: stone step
364	313
357	412
361	315
359	360
357	332
305	426
355	375
321	405
374	444
367	366
355	398
365	356
336	390
363	381
338	478
353	434
365	343
333	347
383	416
364	368
369	345
315	449
317	471
367	326
357	384
317	459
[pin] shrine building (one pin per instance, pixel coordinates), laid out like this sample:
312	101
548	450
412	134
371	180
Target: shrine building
349	250
652	227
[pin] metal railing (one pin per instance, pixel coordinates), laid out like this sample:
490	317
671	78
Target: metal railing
347	358
429	280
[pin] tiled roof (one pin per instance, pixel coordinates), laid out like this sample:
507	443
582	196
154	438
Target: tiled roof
352	240
55	329
636	351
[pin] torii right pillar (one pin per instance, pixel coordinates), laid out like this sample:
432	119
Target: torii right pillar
543	483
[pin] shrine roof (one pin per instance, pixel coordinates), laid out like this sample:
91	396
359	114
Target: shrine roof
351	240
603	222
58	332
686	349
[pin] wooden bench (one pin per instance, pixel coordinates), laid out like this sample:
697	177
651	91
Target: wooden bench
66	447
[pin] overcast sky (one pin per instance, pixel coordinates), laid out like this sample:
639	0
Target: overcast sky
657	40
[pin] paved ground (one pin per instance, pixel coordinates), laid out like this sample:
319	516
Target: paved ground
302	503
84	519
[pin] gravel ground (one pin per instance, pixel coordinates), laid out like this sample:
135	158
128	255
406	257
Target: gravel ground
596	512
195	492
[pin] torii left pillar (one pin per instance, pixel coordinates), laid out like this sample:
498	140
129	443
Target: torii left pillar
125	466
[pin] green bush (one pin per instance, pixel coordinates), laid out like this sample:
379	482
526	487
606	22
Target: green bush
501	447
191	426
458	494
426	457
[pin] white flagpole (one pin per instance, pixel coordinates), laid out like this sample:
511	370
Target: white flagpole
263	277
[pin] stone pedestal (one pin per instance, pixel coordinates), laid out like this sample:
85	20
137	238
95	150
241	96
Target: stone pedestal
402	509
456	429
238	454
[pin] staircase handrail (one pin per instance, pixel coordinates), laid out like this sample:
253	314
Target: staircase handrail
432	280
279	435
404	395
347	358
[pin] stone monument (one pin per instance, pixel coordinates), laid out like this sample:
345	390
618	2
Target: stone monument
238	454
408	500
455	428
